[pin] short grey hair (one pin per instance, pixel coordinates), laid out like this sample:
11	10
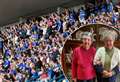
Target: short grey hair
86	34
109	34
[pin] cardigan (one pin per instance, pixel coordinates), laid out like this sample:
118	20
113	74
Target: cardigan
82	63
115	61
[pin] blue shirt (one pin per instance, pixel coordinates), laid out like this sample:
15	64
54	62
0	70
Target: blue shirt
7	52
35	75
35	36
6	63
34	27
1	43
114	19
17	49
17	56
71	19
103	8
26	45
59	25
65	34
110	7
35	43
13	72
51	73
22	66
82	14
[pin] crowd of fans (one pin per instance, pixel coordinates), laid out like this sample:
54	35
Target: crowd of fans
30	51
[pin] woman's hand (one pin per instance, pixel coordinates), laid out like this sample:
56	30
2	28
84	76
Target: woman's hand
110	74
75	80
107	73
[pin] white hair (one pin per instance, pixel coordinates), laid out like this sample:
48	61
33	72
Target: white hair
109	34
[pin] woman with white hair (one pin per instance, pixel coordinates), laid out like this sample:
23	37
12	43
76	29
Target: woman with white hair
82	60
107	59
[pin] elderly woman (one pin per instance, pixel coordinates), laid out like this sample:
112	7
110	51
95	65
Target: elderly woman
82	60
107	59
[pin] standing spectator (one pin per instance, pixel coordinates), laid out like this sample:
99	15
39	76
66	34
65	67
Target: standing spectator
1	45
82	16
